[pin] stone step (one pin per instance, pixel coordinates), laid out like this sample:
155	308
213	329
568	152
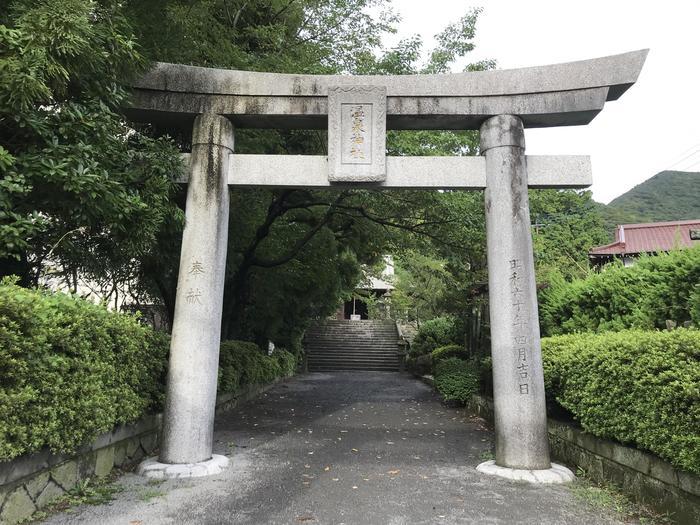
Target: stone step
352	345
370	335
349	346
353	369
326	337
348	355
350	352
361	359
387	361
360	342
346	343
353	356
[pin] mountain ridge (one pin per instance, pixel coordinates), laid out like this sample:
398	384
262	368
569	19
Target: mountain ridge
667	196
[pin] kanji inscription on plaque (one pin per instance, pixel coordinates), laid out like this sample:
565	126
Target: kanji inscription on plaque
357	134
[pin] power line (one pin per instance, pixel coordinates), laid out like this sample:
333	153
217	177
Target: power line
690	155
690	148
690	167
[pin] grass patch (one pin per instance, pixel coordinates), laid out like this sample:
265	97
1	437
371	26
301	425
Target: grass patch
155	482
487	455
149	494
89	491
609	497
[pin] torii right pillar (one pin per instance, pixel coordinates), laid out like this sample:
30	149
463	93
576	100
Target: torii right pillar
522	443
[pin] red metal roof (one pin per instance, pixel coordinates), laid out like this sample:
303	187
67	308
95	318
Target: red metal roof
649	238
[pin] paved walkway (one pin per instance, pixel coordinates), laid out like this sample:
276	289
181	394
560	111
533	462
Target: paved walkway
344	448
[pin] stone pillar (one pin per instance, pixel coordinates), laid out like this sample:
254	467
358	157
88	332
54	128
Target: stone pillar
518	382
188	424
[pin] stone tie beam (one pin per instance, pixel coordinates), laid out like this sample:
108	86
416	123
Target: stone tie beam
357	111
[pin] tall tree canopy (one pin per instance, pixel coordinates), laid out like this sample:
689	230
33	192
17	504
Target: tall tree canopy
293	253
83	191
78	187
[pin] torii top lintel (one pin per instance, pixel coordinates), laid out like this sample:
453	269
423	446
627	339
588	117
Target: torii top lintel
565	94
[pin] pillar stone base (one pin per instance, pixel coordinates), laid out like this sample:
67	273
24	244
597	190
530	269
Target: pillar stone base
152	468
555	474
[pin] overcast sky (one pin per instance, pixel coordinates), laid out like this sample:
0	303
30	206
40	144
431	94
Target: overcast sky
652	127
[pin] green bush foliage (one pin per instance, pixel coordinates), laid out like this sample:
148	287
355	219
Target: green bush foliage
243	363
637	387
455	379
287	362
446	351
433	334
420	365
71	370
643	296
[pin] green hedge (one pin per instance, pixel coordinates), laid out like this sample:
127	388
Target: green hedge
636	387
446	351
287	362
643	296
243	363
455	379
433	334
71	370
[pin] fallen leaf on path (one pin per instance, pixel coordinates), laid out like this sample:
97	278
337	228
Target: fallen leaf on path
393	472
355	450
303	519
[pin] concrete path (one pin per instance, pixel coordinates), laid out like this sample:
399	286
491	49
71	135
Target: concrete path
344	448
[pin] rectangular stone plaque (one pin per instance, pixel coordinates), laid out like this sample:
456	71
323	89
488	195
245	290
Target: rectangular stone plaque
357	134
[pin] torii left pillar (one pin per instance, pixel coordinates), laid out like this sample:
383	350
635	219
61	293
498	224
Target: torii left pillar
188	424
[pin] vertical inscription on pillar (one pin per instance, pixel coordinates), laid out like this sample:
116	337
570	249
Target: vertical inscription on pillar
521	342
194	294
357	134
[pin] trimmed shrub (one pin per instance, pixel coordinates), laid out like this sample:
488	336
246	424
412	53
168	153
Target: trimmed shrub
456	380
71	370
637	387
446	351
420	365
643	296
244	363
485	367
432	334
287	362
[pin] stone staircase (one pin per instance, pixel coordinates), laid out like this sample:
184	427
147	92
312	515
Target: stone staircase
352	345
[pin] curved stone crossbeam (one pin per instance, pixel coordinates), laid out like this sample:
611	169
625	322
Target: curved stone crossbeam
555	95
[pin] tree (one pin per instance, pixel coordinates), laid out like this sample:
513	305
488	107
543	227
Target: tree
421	282
281	241
80	190
566	224
84	188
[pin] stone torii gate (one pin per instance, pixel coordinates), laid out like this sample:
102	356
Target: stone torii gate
357	111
